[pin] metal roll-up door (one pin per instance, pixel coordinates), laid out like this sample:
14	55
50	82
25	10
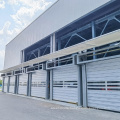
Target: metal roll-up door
103	84
12	84
6	84
23	80
65	83
38	87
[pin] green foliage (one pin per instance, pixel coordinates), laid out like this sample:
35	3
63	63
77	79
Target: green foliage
0	82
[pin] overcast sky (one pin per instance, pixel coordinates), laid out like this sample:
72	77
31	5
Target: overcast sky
15	15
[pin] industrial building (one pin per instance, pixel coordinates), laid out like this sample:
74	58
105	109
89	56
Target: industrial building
70	53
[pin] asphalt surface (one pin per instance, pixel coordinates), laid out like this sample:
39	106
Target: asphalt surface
21	108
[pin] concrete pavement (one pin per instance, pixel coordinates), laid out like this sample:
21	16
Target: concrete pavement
21	108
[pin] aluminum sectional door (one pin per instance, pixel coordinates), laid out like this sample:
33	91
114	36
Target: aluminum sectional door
5	84
65	83
12	84
103	84
38	88
23	79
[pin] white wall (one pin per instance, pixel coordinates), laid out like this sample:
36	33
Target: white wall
59	15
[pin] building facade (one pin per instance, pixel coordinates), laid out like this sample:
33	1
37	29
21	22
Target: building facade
70	54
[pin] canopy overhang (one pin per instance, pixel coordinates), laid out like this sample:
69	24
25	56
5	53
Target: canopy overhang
92	43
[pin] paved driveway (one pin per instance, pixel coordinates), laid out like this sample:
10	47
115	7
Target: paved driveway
20	108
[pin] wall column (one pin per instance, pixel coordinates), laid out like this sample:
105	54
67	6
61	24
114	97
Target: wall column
3	79
29	84
15	85
59	44
93	36
80	85
52	43
22	56
47	84
59	48
39	53
8	86
51	84
84	84
52	50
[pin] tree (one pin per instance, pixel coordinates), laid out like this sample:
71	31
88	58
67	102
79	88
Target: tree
0	82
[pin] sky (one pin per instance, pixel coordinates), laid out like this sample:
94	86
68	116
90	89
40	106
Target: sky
15	15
